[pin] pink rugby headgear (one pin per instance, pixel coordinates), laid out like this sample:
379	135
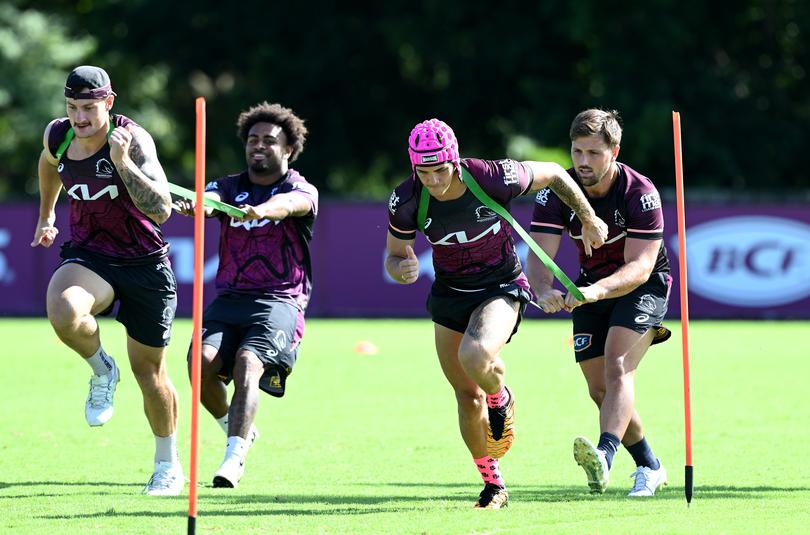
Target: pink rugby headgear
433	142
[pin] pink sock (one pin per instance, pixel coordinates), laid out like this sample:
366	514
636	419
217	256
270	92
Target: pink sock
490	472
498	399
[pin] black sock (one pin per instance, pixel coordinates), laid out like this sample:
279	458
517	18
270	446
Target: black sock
609	443
643	455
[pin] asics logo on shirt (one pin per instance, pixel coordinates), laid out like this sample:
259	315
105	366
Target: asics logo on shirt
460	237
619	219
81	192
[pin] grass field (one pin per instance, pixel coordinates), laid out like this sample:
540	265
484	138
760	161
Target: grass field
369	443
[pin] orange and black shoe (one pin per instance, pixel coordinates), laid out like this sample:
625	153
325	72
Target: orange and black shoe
501	430
492	497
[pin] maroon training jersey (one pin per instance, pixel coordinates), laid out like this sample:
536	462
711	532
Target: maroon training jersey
263	257
631	209
472	246
103	218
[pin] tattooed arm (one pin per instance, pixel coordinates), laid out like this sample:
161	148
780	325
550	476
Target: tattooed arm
553	176
135	157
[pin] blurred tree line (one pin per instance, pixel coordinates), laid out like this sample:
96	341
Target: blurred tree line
509	77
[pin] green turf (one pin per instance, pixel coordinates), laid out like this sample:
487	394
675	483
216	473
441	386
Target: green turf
369	443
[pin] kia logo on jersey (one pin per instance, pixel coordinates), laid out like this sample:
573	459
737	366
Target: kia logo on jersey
455	238
81	192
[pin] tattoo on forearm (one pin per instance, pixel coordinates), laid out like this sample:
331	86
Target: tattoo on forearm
570	195
148	198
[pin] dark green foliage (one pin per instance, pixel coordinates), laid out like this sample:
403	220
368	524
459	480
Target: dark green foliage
362	74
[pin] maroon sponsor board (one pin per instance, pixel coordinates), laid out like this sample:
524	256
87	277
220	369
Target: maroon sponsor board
744	261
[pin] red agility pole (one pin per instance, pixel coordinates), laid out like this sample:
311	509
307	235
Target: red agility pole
687	380
196	337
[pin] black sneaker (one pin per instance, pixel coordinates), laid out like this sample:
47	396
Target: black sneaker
492	497
501	430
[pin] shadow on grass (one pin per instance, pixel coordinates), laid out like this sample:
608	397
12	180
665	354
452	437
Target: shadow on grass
281	506
347	504
526	493
5	485
557	493
210	513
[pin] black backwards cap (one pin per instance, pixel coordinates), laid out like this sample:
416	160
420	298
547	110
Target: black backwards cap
88	77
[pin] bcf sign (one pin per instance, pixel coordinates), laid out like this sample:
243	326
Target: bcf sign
750	261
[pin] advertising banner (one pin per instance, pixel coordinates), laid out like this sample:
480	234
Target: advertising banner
744	261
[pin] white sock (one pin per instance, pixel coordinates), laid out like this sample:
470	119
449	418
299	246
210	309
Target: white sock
237	446
223	423
166	449
101	362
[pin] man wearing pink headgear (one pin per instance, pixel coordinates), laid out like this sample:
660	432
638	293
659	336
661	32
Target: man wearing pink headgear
480	292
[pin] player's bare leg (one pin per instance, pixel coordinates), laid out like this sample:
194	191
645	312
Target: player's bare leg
624	349
472	417
618	419
489	329
594	372
75	295
160	406
247	371
213	392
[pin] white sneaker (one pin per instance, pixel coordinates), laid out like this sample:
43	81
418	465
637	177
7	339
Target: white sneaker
648	480
593	461
229	473
167	480
98	408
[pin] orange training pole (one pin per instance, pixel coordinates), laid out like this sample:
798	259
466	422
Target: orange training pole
196	337
687	381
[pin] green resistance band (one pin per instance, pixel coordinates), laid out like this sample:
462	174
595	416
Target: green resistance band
213	203
481	195
69	135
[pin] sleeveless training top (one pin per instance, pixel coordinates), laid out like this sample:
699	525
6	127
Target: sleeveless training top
103	218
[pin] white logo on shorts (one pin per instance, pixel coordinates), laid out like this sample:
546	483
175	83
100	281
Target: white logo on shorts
279	342
582	341
646	304
642	318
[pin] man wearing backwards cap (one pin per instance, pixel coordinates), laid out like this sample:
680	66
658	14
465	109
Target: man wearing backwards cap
480	292
118	197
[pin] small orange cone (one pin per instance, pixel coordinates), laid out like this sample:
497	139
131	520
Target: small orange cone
366	347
